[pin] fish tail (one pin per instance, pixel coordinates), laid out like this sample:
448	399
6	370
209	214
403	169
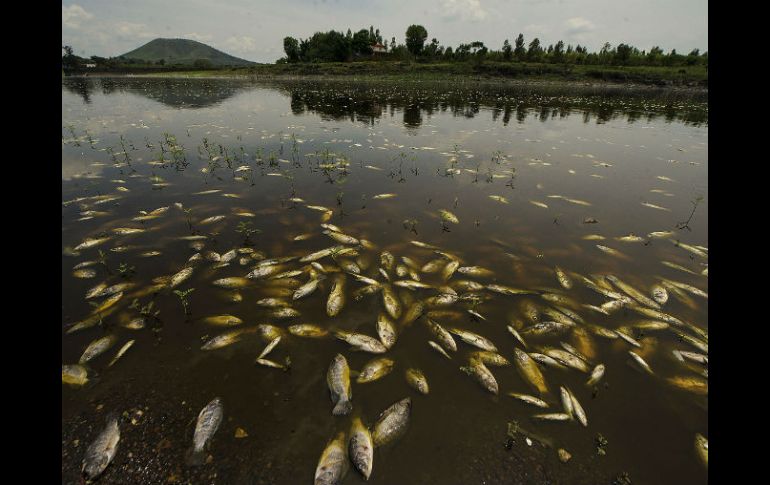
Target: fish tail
342	408
195	457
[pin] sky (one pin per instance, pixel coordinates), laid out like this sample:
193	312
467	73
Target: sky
254	29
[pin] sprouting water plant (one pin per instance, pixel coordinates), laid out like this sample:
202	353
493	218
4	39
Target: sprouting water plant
103	261
686	224
246	229
126	271
183	298
187	213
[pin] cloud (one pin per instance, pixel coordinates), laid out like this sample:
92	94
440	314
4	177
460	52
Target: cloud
243	44
128	30
465	10
73	15
199	37
579	25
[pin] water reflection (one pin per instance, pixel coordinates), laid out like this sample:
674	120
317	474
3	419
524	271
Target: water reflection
176	93
366	103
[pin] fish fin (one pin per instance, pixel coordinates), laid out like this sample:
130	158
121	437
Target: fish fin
195	458
342	408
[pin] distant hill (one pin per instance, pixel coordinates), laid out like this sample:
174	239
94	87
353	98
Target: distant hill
183	51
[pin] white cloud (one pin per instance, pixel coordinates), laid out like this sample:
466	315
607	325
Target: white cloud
130	30
465	10
199	37
73	15
579	25
243	44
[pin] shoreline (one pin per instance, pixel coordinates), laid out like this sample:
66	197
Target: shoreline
533	81
687	78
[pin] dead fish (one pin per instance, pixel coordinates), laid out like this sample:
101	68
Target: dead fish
307	330
516	335
91	242
529	371
474	339
632	292
211	220
361	342
361	448
386	330
97	347
120	352
225	339
564	280
102	450
448	216
415	311
553	417
74	374
702	448
375	369
417	380
507	290
391	302
659	294
84	273
640	362
529	399
490	358
338	380
383	196
284	312
596	375
392	422
692	384
181	276
208	422
482	375
269	347
124	231
223	320
336	300
476	271
568	359
232	282
577	409
439	349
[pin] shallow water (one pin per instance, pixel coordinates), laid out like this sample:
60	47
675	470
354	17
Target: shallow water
437	147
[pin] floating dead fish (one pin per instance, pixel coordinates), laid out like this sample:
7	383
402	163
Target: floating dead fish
102	450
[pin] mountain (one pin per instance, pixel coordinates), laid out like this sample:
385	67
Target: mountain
183	51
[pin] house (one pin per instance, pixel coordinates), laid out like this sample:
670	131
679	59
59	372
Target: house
379	49
90	66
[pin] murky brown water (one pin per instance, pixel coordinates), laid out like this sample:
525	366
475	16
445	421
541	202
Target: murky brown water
438	147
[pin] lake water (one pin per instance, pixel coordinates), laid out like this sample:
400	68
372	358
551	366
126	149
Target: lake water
569	167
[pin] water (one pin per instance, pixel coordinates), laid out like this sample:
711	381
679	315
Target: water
437	147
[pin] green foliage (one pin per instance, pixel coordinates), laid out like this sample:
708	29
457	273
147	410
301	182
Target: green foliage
415	38
507	50
291	47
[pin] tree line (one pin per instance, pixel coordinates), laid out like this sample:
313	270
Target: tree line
333	46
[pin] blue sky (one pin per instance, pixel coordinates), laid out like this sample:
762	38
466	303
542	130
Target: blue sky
255	29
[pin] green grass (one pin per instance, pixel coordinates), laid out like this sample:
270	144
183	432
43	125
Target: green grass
686	75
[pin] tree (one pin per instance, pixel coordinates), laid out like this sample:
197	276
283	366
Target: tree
361	43
535	51
415	38
507	51
558	51
623	54
519	51
291	48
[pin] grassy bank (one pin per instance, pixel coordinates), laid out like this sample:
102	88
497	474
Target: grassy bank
695	76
